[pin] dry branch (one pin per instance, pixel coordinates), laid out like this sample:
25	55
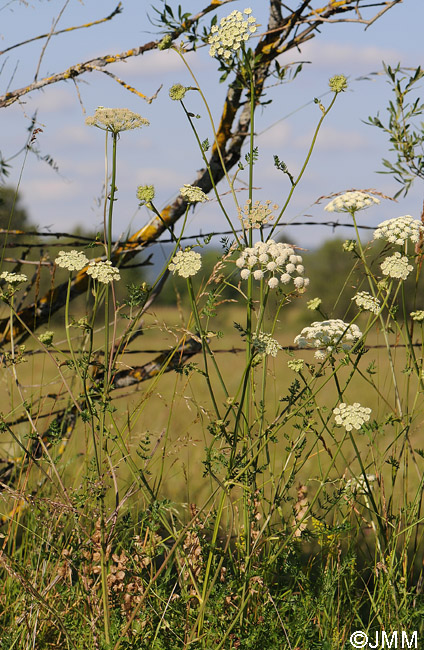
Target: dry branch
282	35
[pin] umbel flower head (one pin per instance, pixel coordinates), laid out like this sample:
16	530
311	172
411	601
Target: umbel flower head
186	263
334	335
256	215
13	278
399	230
396	266
338	83
177	92
296	364
233	30
46	338
351	417
417	315
351	202
116	119
359	485
193	194
265	344
367	302
145	194
71	260
103	272
278	263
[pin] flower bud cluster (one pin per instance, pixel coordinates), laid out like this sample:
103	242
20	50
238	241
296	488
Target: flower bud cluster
367	302
145	194
314	304
334	335
186	263
296	364
177	92
46	338
399	230
351	202
396	266
338	83
417	315
277	262
116	119
257	215
233	30
349	245
352	416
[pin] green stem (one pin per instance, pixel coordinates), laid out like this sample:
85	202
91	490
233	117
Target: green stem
112	195
67	326
202	338
309	154
224	169
208	167
386	340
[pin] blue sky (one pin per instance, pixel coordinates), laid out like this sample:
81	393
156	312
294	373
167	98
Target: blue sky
347	155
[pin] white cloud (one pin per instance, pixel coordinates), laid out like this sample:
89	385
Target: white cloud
47	190
333	139
153	64
163	178
276	135
74	134
346	57
52	99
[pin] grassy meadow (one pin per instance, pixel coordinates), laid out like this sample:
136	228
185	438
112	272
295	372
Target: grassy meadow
226	453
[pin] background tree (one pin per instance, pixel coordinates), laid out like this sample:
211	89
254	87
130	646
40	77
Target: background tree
13	216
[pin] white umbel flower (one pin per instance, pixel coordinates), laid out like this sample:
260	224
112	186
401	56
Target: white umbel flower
399	230
264	343
366	301
277	262
351	202
71	260
351	416
333	335
13	278
116	120
193	194
396	266
233	31
186	263
103	272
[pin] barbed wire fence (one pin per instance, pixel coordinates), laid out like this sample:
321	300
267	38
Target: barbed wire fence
288	31
172	359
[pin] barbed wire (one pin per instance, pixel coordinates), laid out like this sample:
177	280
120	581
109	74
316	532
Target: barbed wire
79	239
233	350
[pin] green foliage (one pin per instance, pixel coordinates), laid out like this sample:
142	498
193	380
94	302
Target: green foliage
406	135
282	167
